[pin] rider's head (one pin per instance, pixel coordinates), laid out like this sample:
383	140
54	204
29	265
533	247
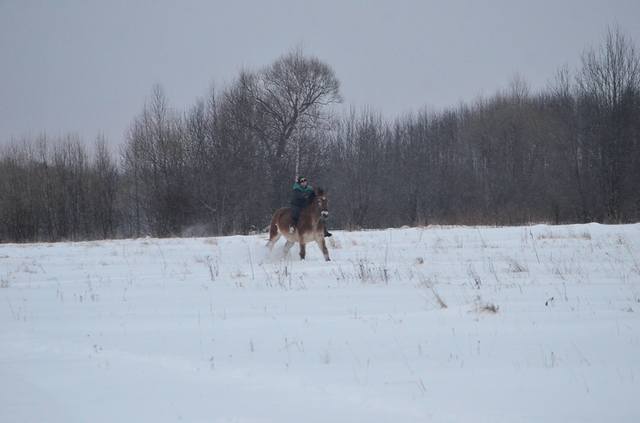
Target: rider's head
302	181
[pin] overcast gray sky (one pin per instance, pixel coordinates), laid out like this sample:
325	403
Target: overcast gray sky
88	66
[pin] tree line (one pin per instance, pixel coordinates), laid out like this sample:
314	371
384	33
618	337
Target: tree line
567	153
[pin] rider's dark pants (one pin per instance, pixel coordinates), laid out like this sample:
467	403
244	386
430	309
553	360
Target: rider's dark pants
295	215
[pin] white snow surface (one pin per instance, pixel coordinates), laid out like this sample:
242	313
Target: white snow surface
436	324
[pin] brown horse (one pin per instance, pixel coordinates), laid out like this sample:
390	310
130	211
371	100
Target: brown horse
310	225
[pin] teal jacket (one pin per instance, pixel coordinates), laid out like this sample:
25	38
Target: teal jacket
301	196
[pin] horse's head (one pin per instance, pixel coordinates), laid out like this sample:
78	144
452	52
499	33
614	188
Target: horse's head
322	202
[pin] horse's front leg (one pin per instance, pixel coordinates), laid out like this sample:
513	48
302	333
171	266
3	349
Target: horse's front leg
303	250
323	247
288	246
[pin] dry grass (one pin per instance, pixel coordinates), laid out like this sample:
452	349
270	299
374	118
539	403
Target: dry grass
485	307
488	308
516	267
477	281
550	235
368	272
429	284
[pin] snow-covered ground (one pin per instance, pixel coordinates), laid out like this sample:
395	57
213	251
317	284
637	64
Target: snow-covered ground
460	324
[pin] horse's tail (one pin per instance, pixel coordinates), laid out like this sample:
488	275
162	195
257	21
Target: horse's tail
273	229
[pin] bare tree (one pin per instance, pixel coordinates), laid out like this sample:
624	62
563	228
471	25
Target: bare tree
155	164
612	72
103	191
287	97
609	85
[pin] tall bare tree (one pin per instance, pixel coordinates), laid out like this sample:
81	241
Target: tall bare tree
609	85
287	97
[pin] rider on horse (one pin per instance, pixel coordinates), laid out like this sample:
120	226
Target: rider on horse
301	197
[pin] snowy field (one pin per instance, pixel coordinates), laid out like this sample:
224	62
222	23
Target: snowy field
442	324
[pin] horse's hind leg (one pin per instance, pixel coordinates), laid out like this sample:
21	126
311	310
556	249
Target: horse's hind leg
274	232
323	247
273	239
303	250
